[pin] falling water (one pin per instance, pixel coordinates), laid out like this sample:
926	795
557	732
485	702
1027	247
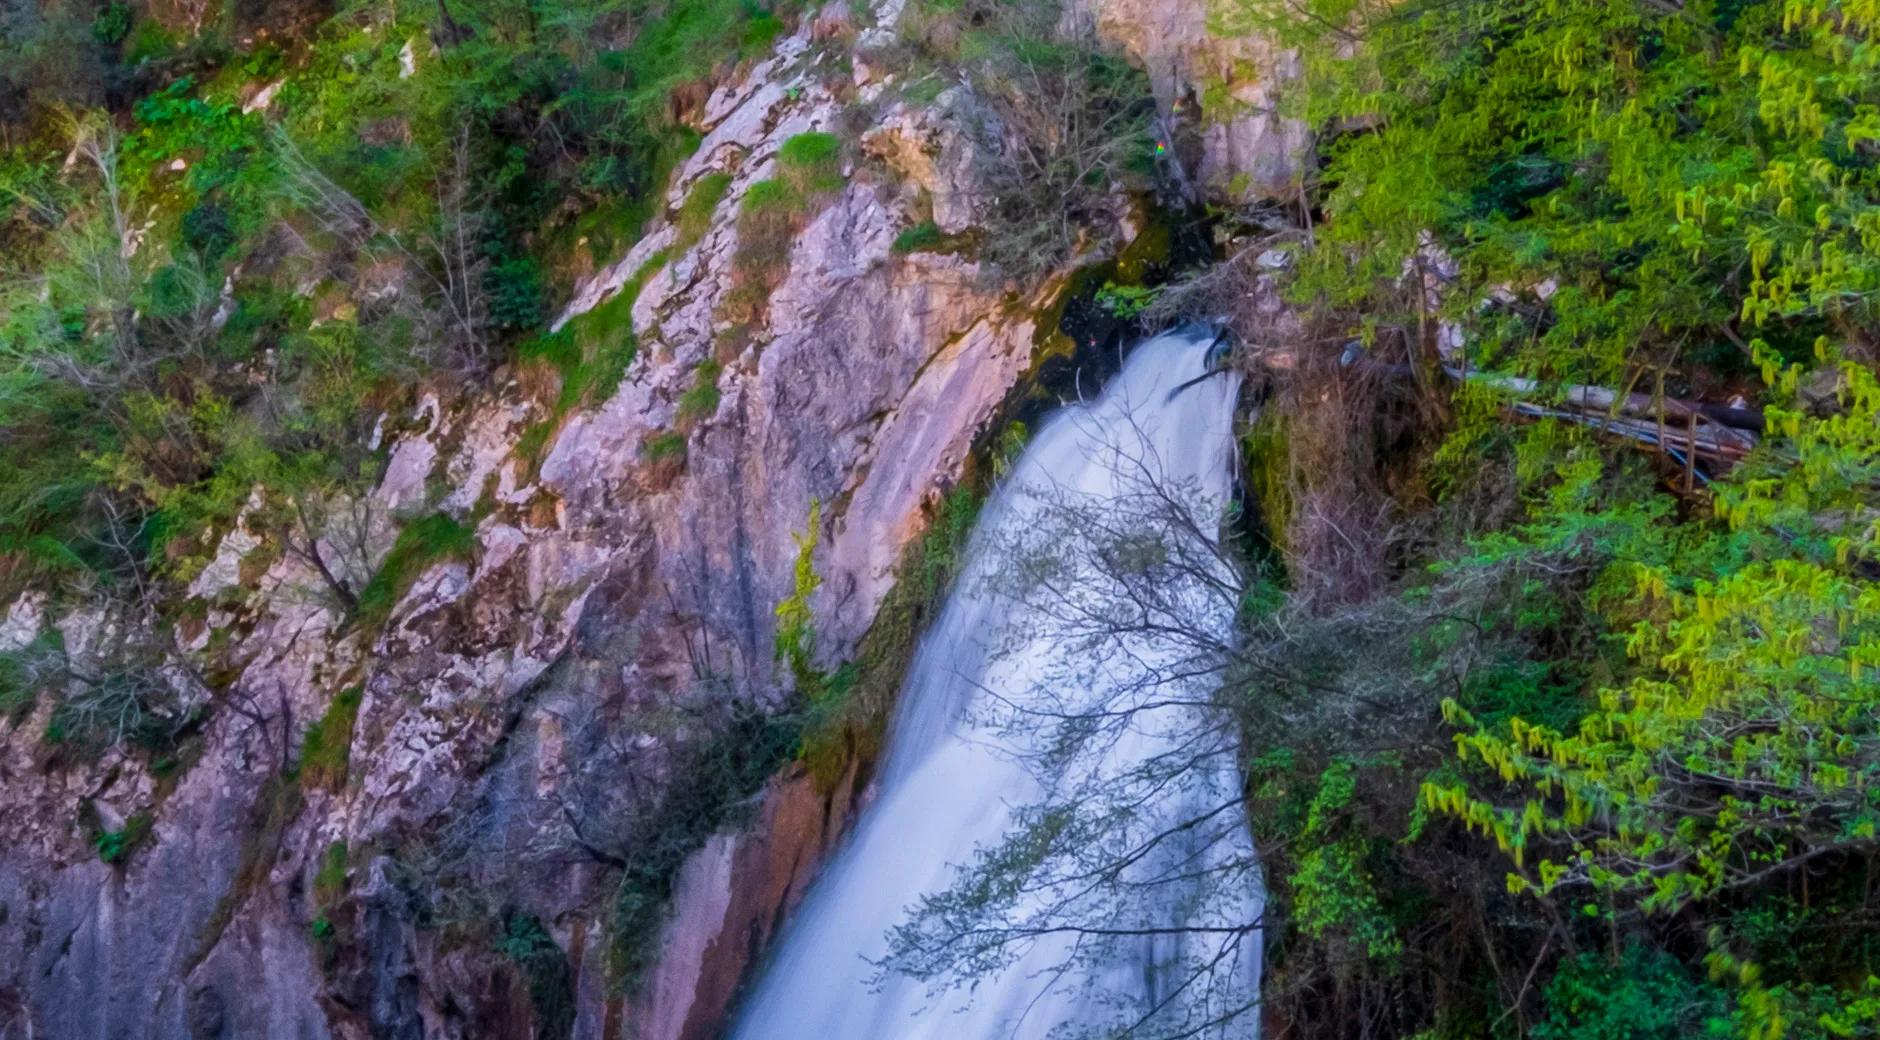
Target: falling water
1057	847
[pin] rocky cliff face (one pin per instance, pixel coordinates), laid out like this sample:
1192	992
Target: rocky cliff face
1218	83
513	734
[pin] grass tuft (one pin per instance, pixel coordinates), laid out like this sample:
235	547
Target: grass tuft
325	751
701	401
695	214
923	237
421	544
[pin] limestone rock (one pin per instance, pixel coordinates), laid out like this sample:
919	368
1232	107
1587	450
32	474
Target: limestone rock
528	705
1227	83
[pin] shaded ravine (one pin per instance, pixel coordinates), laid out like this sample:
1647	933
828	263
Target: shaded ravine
1054	730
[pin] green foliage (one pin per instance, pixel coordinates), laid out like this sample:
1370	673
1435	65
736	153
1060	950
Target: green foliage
663	446
1642	995
592	353
808	165
1331	886
674	45
329	883
50	56
769	217
115	847
701	400
812	161
695	214
1738	744
122	393
1126	301
325	752
514	287
768	196
796	632
112	24
940	551
922	237
420	544
329	891
551	980
845	715
808	151
1674	172
1682	719
1005	451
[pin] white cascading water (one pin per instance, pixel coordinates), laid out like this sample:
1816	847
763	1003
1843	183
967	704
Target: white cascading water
1056	847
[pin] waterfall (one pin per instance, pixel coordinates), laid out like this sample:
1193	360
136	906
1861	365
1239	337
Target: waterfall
1057	847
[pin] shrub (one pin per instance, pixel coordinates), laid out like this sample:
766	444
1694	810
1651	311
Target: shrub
545	967
1126	301
796	633
920	238
329	891
594	350
112	24
768	196
1643	994
769	217
1331	890
208	230
115	847
513	285
329	883
809	150
1080	113
812	161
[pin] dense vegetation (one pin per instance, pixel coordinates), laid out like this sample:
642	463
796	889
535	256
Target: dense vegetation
1549	736
179	324
1648	804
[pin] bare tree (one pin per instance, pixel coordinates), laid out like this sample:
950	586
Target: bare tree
1143	595
334	527
131	680
1134	860
447	261
1066	126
